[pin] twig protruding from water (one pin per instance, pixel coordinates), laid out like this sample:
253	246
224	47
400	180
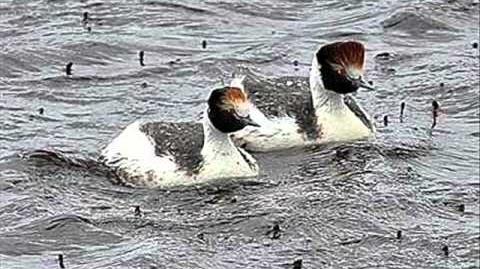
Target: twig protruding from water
68	69
60	261
297	264
275	231
201	236
138	212
141	56
435	109
85	22
445	250
402	111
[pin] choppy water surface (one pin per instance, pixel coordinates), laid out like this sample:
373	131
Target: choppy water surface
337	206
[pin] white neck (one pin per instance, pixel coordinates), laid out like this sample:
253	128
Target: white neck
337	121
323	99
214	141
221	158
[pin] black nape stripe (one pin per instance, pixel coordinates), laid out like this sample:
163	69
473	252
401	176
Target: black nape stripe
250	164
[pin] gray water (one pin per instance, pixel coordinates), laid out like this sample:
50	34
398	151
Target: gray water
336	206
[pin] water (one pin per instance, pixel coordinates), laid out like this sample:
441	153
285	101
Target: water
337	206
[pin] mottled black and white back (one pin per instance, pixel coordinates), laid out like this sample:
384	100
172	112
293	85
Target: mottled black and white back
287	118
313	113
161	153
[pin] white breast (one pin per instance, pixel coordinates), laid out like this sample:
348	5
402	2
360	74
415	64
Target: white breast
222	159
341	125
132	156
283	132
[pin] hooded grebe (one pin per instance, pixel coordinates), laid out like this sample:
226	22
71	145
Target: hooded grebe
324	113
160	153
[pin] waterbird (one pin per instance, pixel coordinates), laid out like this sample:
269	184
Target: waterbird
155	154
323	114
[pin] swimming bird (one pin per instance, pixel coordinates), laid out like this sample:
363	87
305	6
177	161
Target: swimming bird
323	113
155	154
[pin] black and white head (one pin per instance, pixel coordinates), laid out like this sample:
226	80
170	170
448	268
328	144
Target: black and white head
341	66
229	109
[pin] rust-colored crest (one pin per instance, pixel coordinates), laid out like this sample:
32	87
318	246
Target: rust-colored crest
347	54
233	98
235	95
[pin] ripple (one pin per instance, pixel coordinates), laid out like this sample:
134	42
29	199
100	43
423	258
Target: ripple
333	206
414	21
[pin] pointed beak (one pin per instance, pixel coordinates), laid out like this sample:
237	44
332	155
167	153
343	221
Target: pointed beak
248	121
361	83
365	85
